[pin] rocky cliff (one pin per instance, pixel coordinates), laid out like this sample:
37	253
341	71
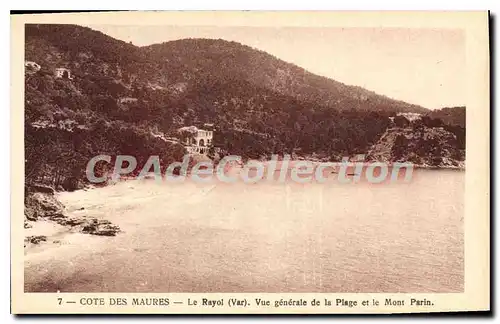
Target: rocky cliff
424	142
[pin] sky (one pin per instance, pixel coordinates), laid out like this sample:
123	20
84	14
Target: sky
420	66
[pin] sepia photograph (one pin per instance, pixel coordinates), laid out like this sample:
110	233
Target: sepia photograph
236	159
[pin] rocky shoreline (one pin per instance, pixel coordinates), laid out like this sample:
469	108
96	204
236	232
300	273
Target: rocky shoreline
41	204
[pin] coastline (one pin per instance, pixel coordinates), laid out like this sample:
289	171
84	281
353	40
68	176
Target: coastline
460	166
48	232
162	224
48	222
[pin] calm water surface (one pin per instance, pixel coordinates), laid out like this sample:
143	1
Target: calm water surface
265	237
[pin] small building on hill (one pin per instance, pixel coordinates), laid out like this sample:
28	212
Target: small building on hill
196	140
410	116
31	67
125	100
63	73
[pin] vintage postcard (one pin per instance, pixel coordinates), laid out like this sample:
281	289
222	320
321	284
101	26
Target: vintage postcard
250	162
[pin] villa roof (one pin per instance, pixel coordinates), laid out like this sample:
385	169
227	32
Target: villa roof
190	129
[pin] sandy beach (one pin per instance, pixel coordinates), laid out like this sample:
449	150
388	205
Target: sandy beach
192	237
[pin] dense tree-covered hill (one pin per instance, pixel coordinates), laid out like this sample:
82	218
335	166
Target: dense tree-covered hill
190	59
122	96
454	116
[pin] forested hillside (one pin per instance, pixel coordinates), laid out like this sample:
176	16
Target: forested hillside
454	116
121	96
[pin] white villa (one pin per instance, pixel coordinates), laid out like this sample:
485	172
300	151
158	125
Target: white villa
410	116
196	140
31	67
63	73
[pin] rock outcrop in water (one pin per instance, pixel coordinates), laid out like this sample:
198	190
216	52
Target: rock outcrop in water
34	239
100	227
41	204
425	142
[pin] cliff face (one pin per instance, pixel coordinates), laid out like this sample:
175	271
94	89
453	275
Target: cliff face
421	144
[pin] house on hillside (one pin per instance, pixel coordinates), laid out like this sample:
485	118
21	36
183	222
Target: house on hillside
125	100
63	73
410	116
31	67
197	140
